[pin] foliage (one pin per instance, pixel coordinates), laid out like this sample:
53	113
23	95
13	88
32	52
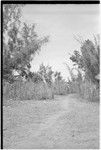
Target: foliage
57	76
60	85
88	91
21	44
46	74
85	88
89	59
35	77
86	61
27	91
11	14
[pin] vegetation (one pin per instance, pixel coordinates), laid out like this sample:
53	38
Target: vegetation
89	59
27	91
40	85
60	85
22	43
87	62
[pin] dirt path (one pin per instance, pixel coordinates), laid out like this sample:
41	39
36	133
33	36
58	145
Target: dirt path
64	122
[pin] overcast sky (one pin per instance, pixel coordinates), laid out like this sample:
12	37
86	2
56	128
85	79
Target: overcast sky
61	23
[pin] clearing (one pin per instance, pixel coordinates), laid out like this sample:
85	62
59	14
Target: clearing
67	122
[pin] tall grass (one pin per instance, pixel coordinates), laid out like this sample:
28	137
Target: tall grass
40	91
27	91
89	91
20	90
61	87
85	88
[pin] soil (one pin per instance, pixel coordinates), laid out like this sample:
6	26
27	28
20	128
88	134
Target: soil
66	122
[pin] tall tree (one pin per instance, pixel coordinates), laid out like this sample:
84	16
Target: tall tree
20	44
89	59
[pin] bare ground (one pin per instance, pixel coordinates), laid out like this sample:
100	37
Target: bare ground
66	122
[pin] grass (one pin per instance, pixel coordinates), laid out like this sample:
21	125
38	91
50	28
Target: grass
20	90
40	91
86	89
27	91
61	88
89	91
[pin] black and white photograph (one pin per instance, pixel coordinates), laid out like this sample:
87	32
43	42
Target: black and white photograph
51	76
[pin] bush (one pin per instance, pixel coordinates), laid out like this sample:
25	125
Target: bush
27	91
86	89
61	88
89	91
73	87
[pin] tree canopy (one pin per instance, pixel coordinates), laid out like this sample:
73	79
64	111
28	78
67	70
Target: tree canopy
89	59
20	44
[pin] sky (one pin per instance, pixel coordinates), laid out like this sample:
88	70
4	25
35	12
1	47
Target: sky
61	22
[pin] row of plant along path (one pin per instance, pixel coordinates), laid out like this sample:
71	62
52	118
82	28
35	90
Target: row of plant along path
65	122
30	121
